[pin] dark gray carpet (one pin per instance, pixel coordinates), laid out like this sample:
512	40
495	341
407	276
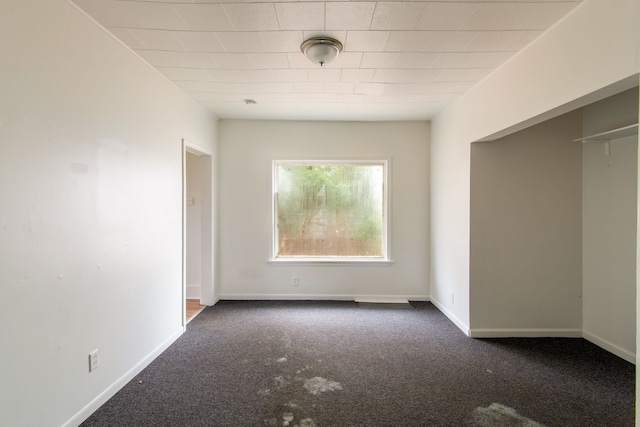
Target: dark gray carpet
306	363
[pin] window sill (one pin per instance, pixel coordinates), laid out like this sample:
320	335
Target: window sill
364	262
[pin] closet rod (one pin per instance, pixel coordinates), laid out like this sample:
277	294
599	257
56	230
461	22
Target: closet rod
611	134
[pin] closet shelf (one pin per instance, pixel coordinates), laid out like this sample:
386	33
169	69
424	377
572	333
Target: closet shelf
611	134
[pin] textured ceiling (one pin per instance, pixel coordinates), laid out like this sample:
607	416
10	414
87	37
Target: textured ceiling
402	60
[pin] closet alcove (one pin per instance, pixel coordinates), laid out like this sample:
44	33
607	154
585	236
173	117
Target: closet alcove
553	228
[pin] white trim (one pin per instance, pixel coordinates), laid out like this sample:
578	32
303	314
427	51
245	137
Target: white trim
610	347
111	390
459	323
196	149
325	297
316	262
525	333
183	218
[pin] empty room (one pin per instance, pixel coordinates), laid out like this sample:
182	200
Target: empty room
411	213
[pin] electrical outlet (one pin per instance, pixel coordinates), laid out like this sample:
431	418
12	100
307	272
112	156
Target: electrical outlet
295	281
93	360
451	297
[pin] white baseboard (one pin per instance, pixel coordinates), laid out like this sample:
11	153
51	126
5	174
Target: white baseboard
459	323
623	353
110	391
525	333
193	291
327	297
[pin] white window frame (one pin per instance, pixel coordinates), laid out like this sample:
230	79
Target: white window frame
385	259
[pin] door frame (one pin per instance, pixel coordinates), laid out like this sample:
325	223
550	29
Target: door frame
207	290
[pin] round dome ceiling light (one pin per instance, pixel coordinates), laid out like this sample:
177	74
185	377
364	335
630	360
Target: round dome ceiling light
321	50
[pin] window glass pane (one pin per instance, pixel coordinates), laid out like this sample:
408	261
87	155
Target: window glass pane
332	210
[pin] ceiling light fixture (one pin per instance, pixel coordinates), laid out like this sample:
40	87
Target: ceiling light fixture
321	50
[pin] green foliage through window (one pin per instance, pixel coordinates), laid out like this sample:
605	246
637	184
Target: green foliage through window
329	210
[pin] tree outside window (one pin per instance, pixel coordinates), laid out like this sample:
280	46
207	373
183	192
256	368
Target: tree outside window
332	209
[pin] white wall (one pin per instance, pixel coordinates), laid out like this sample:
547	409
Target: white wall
526	234
571	65
247	149
90	219
449	214
609	226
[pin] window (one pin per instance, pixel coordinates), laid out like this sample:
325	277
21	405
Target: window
330	210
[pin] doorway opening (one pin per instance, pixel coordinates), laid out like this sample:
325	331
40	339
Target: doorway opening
197	241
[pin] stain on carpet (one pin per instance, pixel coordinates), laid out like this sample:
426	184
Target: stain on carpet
317	385
498	415
287	420
285	382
